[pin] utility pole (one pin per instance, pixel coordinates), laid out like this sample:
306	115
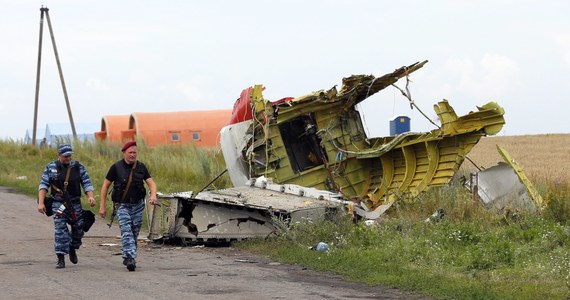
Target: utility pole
45	11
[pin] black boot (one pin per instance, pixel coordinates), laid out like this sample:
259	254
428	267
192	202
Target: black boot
72	255
131	264
60	261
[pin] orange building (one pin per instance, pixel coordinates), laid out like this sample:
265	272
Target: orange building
199	127
111	128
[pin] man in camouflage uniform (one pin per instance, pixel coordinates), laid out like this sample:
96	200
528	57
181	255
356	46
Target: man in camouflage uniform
128	176
53	177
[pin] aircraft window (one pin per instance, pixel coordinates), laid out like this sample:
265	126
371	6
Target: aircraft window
302	143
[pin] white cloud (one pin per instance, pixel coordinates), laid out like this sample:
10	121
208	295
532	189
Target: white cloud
193	92
564	41
140	77
498	73
493	74
97	84
142	56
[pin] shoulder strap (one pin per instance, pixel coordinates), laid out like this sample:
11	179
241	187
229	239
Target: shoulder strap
128	182
66	181
67	202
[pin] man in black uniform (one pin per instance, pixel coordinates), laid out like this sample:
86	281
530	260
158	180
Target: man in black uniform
128	176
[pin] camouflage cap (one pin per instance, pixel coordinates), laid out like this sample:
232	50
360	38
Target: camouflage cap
65	150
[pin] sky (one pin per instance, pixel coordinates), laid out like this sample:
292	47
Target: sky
121	57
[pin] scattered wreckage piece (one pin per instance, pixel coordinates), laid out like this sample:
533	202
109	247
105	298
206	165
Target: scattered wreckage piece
533	193
258	209
505	187
318	141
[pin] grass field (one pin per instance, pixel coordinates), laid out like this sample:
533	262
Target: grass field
471	253
544	158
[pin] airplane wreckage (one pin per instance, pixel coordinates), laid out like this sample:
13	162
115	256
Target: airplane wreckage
298	158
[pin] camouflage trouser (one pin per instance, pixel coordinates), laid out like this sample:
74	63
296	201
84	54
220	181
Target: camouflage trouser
130	221
64	238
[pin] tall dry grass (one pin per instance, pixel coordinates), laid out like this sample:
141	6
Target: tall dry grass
545	159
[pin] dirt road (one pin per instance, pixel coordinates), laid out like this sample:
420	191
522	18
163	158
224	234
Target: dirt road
27	267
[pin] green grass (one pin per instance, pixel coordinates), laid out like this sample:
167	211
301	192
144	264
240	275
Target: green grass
173	168
469	254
